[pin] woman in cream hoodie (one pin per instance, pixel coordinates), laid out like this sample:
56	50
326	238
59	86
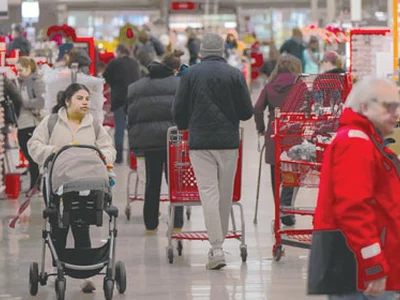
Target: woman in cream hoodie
74	125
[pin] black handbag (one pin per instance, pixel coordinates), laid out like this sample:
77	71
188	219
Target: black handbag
332	265
10	116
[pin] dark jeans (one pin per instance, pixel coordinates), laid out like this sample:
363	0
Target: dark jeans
24	136
155	163
120	125
286	193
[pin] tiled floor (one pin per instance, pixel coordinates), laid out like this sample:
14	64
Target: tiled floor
150	276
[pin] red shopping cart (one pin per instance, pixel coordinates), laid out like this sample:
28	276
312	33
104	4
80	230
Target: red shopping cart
183	191
309	118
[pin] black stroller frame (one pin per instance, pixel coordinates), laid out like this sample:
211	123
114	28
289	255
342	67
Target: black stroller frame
98	258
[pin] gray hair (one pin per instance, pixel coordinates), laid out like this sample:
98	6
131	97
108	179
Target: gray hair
367	90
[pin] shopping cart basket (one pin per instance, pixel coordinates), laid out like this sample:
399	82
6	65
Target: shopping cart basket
310	117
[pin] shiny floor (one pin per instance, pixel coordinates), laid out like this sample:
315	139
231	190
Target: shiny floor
150	276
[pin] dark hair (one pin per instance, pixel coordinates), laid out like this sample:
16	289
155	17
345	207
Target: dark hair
122	49
173	59
64	96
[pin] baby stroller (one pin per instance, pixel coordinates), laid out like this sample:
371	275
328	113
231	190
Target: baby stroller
77	191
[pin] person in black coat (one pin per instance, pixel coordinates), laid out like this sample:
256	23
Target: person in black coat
212	99
149	116
119	74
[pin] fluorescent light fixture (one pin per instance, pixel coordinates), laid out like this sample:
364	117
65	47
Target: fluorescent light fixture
30	10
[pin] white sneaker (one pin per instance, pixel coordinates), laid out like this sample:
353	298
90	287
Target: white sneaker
216	259
87	286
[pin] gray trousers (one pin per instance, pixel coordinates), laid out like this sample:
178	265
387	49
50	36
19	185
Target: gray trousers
215	174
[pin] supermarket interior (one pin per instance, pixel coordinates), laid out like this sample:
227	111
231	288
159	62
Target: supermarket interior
130	86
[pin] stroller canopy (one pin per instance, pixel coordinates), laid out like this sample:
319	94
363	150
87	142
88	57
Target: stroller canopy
79	169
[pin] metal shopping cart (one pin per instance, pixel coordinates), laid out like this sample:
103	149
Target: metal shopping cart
183	191
309	118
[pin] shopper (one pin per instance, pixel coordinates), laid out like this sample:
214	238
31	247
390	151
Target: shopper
19	42
211	100
332	63
294	45
273	96
311	56
74	125
119	74
269	65
80	57
193	46
356	240
149	116
32	89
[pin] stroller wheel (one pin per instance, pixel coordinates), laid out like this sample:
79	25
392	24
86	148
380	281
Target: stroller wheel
128	212
60	289
34	279
170	254
108	287
179	248
243	252
120	277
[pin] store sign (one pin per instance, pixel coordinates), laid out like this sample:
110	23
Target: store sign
183	6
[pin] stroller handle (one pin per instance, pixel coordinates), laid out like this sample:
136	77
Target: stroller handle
52	156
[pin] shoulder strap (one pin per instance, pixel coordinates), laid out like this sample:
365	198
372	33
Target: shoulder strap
97	127
54	118
52	123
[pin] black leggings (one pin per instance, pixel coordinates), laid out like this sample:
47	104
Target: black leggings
155	162
24	136
59	235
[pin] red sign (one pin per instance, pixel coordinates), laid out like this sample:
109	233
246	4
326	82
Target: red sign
183	5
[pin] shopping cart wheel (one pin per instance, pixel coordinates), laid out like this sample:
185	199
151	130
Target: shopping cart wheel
179	248
277	252
108	287
120	277
34	279
128	212
60	288
171	255
243	252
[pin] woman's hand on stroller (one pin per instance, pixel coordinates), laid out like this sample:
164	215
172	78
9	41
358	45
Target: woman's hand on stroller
55	149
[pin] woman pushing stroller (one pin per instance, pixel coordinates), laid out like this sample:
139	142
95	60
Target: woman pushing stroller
71	123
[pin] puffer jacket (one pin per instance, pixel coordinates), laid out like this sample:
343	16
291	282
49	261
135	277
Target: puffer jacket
32	91
212	99
149	108
41	145
356	235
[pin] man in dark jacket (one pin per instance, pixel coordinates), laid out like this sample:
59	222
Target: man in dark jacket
119	74
294	45
356	239
211	100
149	117
19	42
